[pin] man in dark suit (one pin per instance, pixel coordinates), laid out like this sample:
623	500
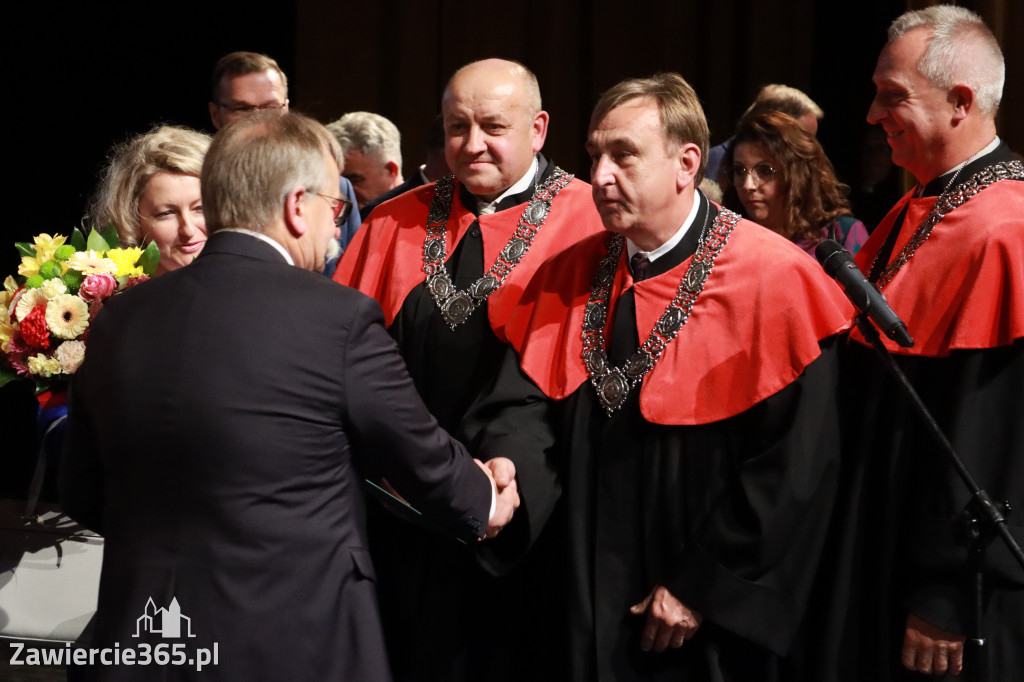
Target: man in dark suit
222	424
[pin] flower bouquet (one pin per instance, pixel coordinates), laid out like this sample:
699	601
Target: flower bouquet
46	311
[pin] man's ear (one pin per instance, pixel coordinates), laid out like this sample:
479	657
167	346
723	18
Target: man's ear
295	211
689	163
962	98
392	169
540	130
215	116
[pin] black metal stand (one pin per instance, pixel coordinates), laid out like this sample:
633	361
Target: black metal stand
979	523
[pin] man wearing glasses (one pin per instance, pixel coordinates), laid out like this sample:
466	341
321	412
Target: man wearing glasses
246	82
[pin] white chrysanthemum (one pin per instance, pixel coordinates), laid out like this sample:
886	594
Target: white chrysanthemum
28	300
40	364
67	316
53	287
70	355
91	263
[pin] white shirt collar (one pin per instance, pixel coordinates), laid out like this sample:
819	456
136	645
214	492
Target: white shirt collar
264	238
487	207
632	249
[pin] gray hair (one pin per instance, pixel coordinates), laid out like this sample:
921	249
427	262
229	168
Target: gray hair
256	161
961	49
369	133
788	100
165	149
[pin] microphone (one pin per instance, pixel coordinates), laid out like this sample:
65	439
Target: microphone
839	265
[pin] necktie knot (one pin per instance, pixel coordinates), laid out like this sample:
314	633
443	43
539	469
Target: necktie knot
639	265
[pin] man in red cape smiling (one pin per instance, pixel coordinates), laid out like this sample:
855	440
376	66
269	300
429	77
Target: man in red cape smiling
949	258
688	359
448	263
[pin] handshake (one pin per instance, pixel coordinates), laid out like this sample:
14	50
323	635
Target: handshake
502	472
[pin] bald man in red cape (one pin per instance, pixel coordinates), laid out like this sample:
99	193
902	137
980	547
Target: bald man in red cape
949	258
448	263
687	361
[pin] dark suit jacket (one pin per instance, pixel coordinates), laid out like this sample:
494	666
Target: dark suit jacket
219	430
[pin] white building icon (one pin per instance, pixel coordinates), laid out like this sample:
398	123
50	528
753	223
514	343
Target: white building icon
166	622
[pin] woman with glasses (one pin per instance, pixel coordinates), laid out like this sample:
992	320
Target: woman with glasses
782	179
150	192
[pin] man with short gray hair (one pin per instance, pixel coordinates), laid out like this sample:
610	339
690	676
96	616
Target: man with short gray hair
261	393
372	147
949	258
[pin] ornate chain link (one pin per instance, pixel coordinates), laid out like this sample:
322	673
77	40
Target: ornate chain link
947	201
456	306
613	384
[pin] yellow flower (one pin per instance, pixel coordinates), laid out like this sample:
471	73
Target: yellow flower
125	260
7	332
10	285
91	263
29	266
40	364
46	245
67	316
53	287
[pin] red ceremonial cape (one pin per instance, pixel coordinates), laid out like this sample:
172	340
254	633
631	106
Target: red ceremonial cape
385	260
964	287
753	330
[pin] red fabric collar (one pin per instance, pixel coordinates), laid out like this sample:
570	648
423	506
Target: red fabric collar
385	260
964	287
751	333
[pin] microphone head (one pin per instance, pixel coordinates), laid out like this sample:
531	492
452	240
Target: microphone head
832	256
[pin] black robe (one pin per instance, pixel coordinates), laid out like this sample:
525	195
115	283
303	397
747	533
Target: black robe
730	515
891	546
444	616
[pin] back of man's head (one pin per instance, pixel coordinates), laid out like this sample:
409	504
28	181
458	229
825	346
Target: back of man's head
783	98
961	50
241	64
370	134
254	162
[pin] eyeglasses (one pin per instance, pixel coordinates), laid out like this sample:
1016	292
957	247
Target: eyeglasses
761	173
250	108
341	206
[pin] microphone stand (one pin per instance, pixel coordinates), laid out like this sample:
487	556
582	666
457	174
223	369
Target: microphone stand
980	521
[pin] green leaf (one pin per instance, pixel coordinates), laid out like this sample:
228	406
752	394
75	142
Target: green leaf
77	239
109	235
7	374
96	242
25	249
150	259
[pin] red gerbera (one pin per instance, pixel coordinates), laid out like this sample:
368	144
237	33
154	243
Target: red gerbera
33	328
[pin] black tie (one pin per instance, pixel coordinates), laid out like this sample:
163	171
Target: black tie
639	265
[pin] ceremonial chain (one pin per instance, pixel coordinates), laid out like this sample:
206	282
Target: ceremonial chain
613	384
456	306
947	201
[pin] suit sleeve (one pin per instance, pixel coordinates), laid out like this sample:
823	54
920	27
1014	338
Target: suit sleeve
397	437
513	420
754	557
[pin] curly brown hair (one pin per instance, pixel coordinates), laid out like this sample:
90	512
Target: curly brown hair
813	197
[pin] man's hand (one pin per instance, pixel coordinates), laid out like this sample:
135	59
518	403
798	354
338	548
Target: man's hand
669	622
502	472
930	650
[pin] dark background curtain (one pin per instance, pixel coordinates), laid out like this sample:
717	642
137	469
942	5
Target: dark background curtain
83	76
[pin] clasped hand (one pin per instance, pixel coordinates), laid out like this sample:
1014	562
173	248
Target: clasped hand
502	472
669	622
